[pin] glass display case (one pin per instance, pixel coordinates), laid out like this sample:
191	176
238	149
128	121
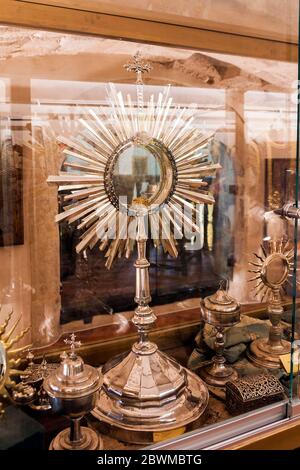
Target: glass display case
225	295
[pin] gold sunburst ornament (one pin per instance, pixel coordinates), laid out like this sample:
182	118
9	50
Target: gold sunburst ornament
138	168
272	268
8	361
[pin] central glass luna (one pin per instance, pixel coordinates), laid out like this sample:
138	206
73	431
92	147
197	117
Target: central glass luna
137	174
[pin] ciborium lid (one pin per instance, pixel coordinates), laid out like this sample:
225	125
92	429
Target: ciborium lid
73	378
220	309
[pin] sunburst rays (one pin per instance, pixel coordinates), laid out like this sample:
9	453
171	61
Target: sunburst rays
271	247
87	156
9	363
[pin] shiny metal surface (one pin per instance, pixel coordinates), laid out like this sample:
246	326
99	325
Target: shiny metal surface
73	407
219	310
24	394
219	373
36	373
42	402
168	172
72	379
84	439
148	391
84	381
72	389
34	376
264	354
272	269
289	210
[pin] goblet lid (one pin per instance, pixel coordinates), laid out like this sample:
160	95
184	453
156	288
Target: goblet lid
73	378
220	309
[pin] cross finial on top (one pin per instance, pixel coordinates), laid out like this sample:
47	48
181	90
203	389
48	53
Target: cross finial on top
73	343
137	64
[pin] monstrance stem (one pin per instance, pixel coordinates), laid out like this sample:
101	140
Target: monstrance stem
144	317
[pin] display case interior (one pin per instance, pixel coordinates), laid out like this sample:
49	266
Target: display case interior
224	291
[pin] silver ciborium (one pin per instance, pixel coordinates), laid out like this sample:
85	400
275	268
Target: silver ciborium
72	389
219	310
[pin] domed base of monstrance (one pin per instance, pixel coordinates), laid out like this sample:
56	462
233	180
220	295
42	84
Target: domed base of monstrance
148	395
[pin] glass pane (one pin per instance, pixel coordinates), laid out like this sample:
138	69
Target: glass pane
293	198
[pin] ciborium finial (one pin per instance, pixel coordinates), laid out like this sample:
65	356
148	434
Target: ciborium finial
73	344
